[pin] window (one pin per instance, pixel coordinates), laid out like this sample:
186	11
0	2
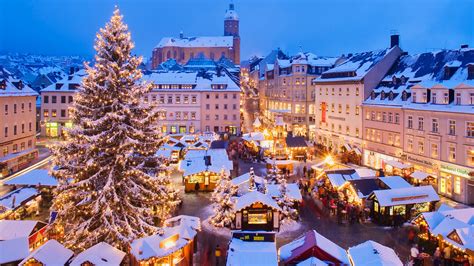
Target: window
434	125
22	107
451	127
225	106
162	99
445	98
53	113
357	132
340	91
379	116
234	96
332	107
46	99
410	122
397	118
347	91
372	115
434	150
14	130
410	145
63	99
332	91
414	97
208	106
470	129
29	126
234	106
30	143
384	117
208	96
452	153
357	91
63	113
217	107
471	98
170	99
390	117
420	123
208	117
470	157
15	147
6	109
433	98
186	99
29	107
457	185
185	115
348	131
45	113
339	108
6	132
53	99
347	109
225	117
234	117
193	115
177	99
424	98
357	110
178	115
193	99
421	147
14	108
397	140
216	117
217	96
458	98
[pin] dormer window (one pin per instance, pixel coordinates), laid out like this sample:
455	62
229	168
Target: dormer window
414	97
3	84
425	97
394	80
372	95
470	71
403	80
382	95
404	96
58	86
446	98
390	95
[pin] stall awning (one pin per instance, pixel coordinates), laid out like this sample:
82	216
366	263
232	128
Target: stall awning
398	165
419	175
348	147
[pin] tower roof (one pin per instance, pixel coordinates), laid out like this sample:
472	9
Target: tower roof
231	14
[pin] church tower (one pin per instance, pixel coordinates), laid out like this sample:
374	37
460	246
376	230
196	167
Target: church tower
231	28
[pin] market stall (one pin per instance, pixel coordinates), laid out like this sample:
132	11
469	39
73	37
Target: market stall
395	206
392	167
256	211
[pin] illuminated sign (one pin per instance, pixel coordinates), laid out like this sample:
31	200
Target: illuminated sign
455	171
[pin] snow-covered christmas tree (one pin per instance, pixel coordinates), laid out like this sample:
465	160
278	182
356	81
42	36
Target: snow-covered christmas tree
285	202
274	175
223	203
111	185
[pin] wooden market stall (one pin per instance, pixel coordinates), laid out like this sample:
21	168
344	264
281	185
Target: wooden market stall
98	254
394	206
255	211
393	167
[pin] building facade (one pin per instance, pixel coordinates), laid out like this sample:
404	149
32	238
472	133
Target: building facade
183	49
287	91
339	95
195	102
18	125
432	94
55	102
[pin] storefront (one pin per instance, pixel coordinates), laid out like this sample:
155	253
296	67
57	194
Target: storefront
455	182
376	160
52	129
201	181
255	211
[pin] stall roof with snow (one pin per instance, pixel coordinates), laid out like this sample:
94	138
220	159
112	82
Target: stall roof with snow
293	191
364	187
16	198
196	162
99	254
252	197
312	261
242	252
395	182
404	196
179	231
50	253
374	254
313	244
340	176
33	178
14	238
420	175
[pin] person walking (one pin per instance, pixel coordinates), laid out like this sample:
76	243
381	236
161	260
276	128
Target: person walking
437	257
414	252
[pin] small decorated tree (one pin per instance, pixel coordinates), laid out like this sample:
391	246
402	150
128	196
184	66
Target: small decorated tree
285	202
223	204
273	175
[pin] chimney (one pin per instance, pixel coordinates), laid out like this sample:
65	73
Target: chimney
394	39
464	46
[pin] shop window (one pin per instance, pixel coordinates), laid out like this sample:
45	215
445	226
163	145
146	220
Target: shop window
470	157
442	185
457	185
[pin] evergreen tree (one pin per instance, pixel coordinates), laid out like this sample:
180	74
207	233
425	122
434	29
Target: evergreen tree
222	201
285	202
274	175
110	179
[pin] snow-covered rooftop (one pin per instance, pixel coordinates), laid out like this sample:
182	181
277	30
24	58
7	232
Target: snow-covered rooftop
194	79
395	182
13	87
33	178
69	84
99	254
294	192
309	241
179	230
214	41
195	162
50	253
11	229
14	243
374	254
17	197
251	253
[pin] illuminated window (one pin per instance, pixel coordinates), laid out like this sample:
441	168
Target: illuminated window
410	145
451	127
434	150
470	129
452	153
457	185
421	147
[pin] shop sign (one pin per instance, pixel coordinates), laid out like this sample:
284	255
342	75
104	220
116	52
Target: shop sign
254	237
456	171
422	161
337	118
409	198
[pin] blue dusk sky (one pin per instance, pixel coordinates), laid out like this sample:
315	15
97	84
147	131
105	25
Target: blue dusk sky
332	27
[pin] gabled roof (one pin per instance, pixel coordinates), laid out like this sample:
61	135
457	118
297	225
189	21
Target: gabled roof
374	254
215	41
13	87
403	196
364	187
99	254
50	253
313	244
296	142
